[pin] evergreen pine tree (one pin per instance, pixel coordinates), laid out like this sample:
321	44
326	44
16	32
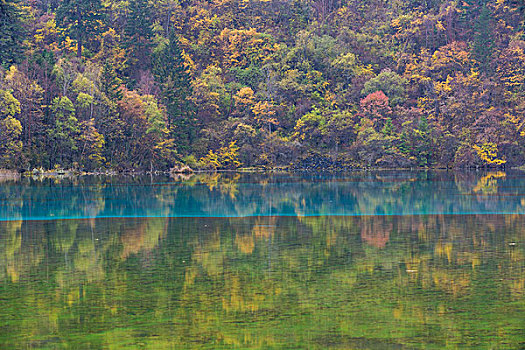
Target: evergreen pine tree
11	33
81	19
137	39
173	79
482	45
109	124
110	83
424	149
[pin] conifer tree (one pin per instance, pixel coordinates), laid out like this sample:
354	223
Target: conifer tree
424	149
110	83
11	32
483	38
81	18
138	34
173	79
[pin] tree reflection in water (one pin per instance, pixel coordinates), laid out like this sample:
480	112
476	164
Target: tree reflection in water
431	281
236	195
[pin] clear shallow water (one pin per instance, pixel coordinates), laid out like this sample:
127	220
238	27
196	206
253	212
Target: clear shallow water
267	282
384	193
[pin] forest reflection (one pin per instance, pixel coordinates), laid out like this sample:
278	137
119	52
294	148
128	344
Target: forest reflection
241	195
259	282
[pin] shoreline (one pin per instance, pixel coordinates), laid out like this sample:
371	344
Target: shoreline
8	174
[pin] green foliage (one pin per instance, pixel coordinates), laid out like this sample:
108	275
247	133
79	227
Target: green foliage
110	83
92	146
65	72
84	100
282	80
483	43
190	161
12	32
10	143
345	67
310	127
325	129
388	128
154	116
9	106
171	74
390	83
423	149
65	132
138	35
249	76
10	130
81	19
384	148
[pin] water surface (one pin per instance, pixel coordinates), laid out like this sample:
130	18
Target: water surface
260	279
235	195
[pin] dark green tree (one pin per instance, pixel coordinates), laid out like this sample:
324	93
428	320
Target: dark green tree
82	20
424	142
137	38
483	42
110	83
392	85
173	79
110	123
11	32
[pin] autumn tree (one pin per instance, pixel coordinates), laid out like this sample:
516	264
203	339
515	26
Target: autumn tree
377	83
390	83
10	130
64	133
211	95
30	95
91	146
376	107
144	141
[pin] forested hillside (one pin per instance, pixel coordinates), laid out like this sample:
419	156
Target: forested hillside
220	84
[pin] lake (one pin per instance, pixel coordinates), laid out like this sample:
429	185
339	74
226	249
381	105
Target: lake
364	260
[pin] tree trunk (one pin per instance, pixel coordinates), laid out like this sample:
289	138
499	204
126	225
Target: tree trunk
79	46
79	33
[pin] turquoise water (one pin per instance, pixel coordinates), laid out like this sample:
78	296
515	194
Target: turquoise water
227	195
278	274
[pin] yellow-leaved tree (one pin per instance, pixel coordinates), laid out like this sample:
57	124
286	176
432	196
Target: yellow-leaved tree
488	153
10	130
226	157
